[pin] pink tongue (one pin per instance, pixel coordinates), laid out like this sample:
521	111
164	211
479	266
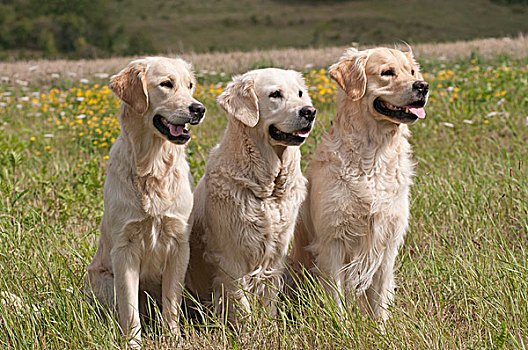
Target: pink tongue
175	130
419	112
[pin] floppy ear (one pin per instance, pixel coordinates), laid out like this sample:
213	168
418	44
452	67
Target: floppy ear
349	73
240	100
131	86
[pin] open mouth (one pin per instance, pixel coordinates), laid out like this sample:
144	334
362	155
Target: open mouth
175	133
293	139
404	114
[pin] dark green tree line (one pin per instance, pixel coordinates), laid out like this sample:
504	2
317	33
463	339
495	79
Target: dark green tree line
76	28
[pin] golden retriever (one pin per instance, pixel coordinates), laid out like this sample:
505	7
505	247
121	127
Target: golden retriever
356	212
144	246
246	204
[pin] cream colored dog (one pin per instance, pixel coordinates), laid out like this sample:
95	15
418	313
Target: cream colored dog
144	246
355	216
246	205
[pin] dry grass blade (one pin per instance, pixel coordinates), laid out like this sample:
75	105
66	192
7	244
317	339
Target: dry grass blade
45	71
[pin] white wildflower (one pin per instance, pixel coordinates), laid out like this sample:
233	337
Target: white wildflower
13	301
9	299
491	114
502	114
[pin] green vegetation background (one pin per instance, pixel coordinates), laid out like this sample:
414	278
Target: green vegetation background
100	28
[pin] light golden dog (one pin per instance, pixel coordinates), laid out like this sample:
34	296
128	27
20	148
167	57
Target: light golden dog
246	205
144	246
356	212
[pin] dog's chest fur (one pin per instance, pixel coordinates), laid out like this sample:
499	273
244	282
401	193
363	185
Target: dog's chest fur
378	177
267	202
277	206
167	217
155	206
269	208
370	203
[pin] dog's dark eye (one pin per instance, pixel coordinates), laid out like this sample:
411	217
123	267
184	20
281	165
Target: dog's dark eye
412	71
190	85
167	84
275	94
388	72
300	93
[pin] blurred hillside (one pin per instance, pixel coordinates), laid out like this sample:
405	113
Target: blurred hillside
101	28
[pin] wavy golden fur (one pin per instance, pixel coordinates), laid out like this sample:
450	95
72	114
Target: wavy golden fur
143	248
356	212
245	206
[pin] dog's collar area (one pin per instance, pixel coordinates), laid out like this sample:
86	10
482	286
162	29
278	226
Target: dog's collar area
403	114
177	134
292	139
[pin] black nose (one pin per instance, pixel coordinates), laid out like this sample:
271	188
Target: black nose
197	112
421	86
308	112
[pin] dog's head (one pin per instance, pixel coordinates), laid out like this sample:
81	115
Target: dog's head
388	82
275	102
160	91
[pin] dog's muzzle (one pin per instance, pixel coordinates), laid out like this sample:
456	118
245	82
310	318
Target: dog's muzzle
297	137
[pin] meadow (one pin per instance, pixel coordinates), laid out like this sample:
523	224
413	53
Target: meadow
462	273
103	28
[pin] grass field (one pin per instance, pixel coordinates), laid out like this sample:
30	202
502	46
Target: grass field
462	273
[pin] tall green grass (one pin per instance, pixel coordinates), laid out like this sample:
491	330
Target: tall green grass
462	273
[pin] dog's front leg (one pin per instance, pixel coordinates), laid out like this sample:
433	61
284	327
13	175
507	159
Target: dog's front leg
230	299
380	293
330	264
126	267
172	284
